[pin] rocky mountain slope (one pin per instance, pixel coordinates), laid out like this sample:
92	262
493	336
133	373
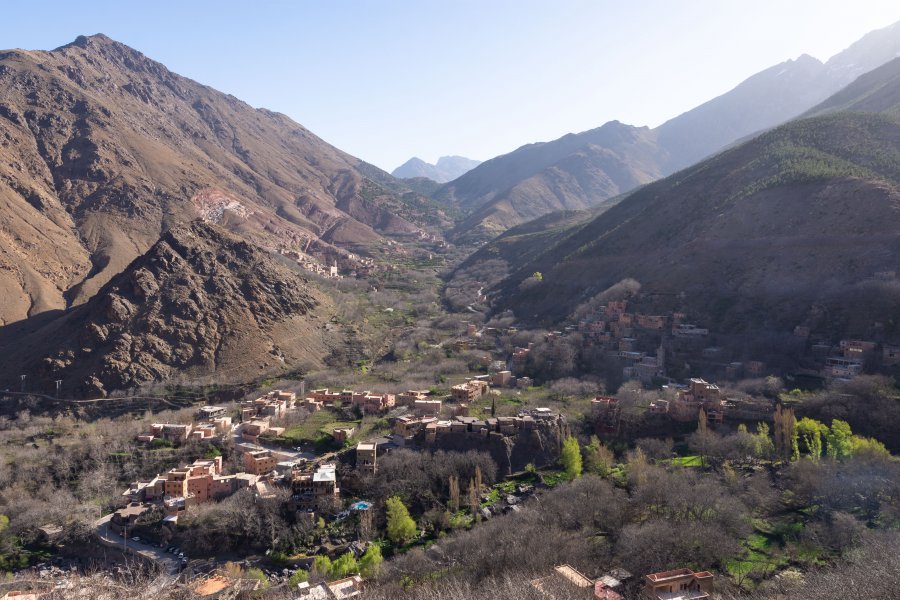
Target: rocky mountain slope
102	150
582	170
446	169
876	91
574	172
774	233
199	302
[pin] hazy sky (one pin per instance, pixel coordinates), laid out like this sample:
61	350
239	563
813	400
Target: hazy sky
386	80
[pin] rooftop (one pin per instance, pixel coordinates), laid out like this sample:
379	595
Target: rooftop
346	588
213	585
325	473
573	576
683	595
677	573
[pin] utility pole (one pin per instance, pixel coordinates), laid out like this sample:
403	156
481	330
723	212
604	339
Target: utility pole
58	384
22	377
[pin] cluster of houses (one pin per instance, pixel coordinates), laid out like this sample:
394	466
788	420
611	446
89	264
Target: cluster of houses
616	330
182	487
213	424
566	582
315	490
257	415
684	404
222	586
368	402
848	361
310	264
434	429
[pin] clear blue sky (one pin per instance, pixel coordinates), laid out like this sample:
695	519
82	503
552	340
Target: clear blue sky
386	80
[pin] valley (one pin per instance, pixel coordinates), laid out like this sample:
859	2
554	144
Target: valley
239	362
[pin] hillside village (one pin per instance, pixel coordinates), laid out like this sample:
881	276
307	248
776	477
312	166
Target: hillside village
630	363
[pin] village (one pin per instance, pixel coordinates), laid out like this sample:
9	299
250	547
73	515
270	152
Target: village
147	520
321	479
308	479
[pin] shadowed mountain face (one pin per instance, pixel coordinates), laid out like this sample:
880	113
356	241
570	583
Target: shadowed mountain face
582	170
447	168
771	234
199	302
103	149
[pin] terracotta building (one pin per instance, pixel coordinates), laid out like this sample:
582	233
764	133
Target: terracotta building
679	584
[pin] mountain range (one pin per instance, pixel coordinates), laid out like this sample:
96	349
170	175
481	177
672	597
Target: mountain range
446	169
797	226
581	170
102	150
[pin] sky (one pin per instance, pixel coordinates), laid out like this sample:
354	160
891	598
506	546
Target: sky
386	80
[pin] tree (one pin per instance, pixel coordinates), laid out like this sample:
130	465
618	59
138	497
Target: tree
454	493
297	578
365	525
839	439
345	565
598	459
570	457
869	449
701	421
400	527
322	566
370	561
764	448
473	501
786	444
809	432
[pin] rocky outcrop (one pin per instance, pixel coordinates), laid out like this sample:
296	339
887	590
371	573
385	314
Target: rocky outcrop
200	302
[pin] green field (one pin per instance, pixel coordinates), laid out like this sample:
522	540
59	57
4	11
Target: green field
687	461
317	428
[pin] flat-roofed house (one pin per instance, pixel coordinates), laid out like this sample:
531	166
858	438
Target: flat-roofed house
678	584
366	456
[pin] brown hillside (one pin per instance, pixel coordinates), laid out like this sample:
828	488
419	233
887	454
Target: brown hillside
199	302
103	149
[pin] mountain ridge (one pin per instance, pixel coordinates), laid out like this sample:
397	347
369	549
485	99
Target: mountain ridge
446	169
103	149
763	100
708	238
